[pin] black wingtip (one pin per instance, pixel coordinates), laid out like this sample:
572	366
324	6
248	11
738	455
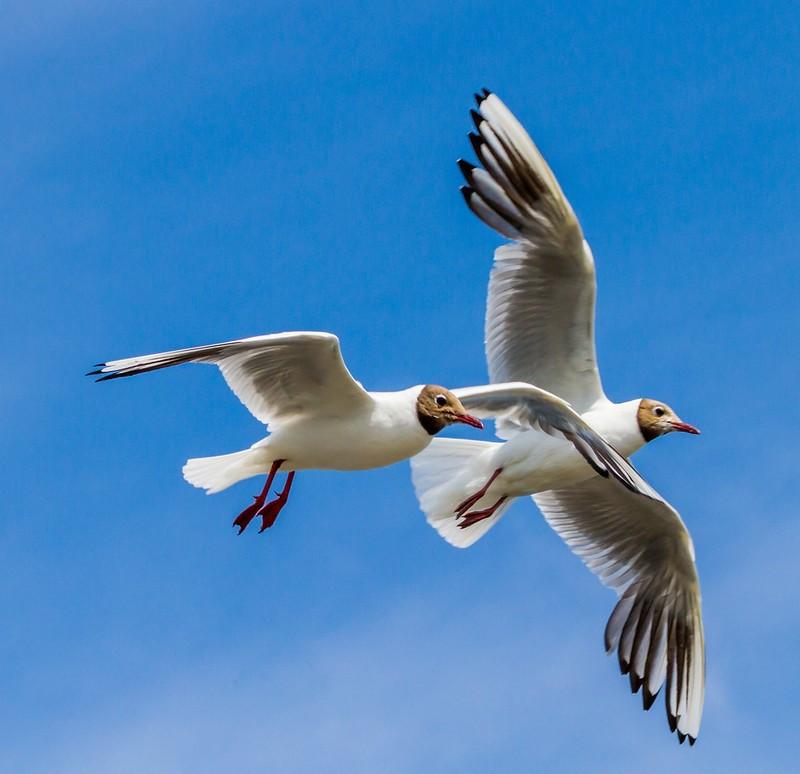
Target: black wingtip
107	377
476	142
648	698
466	192
681	737
466	169
94	373
673	721
692	740
624	666
636	681
481	95
477	118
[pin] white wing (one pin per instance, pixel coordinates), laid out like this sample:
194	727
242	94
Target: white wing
276	376
541	305
640	547
518	407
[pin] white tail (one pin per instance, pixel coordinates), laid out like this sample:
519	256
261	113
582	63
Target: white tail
444	475
217	473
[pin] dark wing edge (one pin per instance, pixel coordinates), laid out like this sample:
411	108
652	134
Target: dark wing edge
647	557
206	353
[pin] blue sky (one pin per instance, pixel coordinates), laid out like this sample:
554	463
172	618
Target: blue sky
196	172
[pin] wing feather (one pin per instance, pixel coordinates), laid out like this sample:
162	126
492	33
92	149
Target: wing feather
640	547
541	304
275	376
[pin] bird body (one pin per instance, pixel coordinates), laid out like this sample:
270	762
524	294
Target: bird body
540	317
376	433
317	414
535	462
379	432
529	462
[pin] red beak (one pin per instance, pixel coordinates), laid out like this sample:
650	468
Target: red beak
684	427
468	419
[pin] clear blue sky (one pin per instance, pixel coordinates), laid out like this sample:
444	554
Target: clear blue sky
176	174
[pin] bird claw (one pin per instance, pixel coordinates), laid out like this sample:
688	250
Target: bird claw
269	513
473	517
246	516
462	508
465	505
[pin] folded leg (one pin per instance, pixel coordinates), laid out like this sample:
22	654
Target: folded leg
464	506
247	515
473	517
271	510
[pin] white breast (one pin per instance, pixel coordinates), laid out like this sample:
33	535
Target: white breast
386	433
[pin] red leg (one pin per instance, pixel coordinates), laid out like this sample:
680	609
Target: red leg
475	516
271	510
463	507
246	516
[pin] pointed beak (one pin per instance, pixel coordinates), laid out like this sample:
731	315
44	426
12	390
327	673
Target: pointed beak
468	419
684	427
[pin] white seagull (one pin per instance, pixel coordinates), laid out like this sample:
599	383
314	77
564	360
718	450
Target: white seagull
319	417
540	329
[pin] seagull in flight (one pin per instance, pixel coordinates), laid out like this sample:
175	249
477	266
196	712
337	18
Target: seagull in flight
319	417
540	329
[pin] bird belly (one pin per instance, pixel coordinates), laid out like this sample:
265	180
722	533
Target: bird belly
333	444
533	462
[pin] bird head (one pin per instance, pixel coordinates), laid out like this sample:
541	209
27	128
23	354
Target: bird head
437	408
656	418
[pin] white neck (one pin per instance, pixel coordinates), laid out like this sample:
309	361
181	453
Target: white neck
618	424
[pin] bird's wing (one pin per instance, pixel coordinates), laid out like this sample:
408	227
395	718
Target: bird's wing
276	376
640	547
518	407
541	305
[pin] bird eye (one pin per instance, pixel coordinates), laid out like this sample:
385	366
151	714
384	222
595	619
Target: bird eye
441	400
659	411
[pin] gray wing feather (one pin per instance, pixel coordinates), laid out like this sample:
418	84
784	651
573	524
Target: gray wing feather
275	376
640	547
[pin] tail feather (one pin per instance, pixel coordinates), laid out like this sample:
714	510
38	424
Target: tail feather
217	473
445	474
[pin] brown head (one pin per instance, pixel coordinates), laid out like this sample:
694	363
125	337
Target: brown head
437	408
656	418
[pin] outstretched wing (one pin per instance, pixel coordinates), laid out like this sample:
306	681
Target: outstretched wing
541	305
640	547
276	376
517	407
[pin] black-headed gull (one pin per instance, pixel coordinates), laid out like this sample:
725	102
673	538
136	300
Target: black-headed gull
540	329
319	417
